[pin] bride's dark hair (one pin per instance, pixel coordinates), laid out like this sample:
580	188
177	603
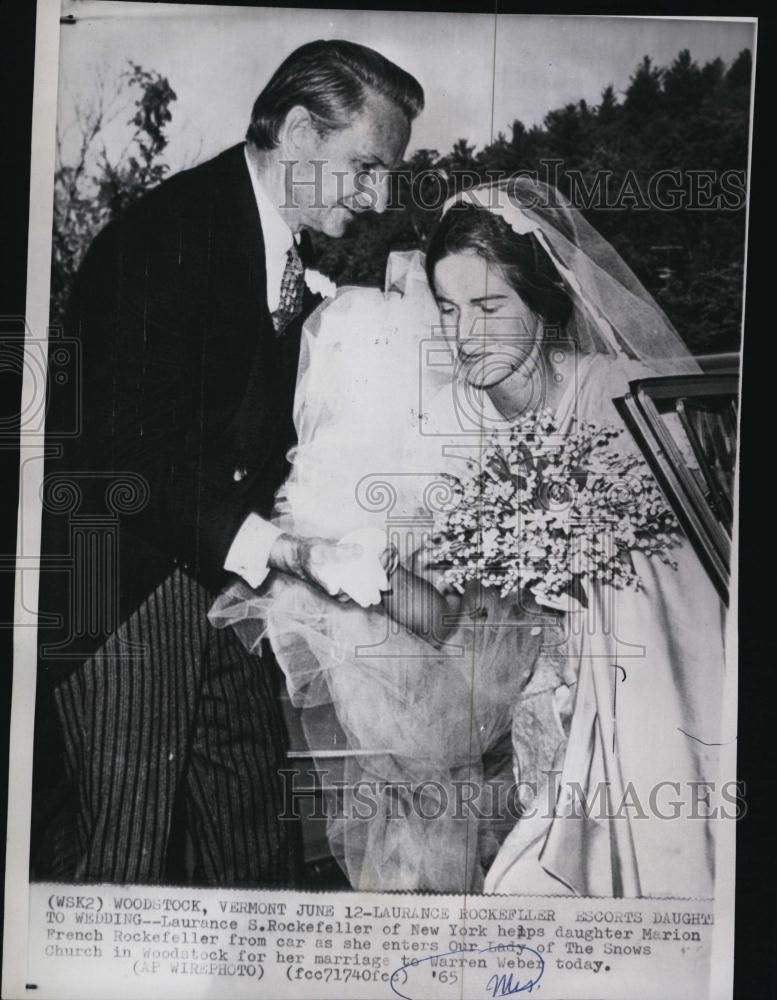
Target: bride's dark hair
469	229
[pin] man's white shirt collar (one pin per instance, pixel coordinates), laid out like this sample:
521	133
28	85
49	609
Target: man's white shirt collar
276	234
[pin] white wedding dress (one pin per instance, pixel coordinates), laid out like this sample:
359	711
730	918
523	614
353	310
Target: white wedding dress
623	756
379	418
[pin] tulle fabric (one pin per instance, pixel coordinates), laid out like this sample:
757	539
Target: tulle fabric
423	806
420	746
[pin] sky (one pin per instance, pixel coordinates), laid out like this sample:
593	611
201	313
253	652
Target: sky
479	71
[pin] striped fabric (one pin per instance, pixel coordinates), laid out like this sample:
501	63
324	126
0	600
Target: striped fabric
190	725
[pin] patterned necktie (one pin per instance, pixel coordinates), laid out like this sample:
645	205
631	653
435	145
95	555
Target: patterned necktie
292	291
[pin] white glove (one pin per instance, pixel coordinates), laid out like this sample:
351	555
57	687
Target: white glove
362	577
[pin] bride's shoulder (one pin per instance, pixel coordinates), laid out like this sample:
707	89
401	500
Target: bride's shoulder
616	367
601	380
609	375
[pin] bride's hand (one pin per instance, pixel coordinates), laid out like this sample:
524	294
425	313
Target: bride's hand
389	559
312	560
347	569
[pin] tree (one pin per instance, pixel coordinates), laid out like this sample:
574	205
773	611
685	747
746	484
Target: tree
92	185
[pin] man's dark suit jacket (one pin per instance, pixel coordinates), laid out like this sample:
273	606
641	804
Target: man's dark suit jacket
185	396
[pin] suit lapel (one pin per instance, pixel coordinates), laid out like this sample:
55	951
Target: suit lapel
263	427
238	210
262	421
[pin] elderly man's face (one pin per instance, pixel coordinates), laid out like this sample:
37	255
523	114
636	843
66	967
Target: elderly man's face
345	173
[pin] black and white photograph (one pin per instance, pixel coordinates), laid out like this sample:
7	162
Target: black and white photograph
376	573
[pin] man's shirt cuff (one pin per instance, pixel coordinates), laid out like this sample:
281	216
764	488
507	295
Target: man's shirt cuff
250	550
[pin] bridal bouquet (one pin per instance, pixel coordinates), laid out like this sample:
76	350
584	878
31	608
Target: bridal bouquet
550	512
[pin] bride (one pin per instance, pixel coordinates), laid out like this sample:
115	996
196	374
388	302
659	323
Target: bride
446	703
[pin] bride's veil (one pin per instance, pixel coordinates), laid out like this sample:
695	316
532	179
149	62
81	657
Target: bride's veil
613	312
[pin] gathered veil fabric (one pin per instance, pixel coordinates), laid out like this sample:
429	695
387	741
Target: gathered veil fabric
625	694
424	730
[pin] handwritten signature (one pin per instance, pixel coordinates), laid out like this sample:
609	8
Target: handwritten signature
498	985
503	986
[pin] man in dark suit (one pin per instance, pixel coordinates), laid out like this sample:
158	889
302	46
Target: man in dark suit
187	313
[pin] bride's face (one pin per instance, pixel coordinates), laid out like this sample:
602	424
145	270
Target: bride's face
493	330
